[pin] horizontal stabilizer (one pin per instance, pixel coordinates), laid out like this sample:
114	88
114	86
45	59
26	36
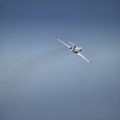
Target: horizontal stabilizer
71	43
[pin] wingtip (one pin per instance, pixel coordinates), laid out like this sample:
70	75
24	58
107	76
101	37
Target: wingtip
90	61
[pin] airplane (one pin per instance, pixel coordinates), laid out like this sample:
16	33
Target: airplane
74	48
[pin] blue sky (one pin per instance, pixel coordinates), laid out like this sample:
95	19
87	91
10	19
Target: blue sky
40	78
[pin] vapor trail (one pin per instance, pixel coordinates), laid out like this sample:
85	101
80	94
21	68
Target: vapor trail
14	76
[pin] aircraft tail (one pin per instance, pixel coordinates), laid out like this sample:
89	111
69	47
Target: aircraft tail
71	43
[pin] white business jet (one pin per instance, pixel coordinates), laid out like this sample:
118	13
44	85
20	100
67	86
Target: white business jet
75	49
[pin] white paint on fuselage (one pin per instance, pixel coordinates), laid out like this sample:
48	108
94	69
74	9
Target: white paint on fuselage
76	49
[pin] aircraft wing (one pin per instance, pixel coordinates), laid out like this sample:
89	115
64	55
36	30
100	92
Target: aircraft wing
84	57
63	43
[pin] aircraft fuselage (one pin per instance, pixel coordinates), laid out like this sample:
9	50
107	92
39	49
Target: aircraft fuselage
76	49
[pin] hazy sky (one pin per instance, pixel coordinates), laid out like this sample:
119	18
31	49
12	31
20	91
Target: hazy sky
40	78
